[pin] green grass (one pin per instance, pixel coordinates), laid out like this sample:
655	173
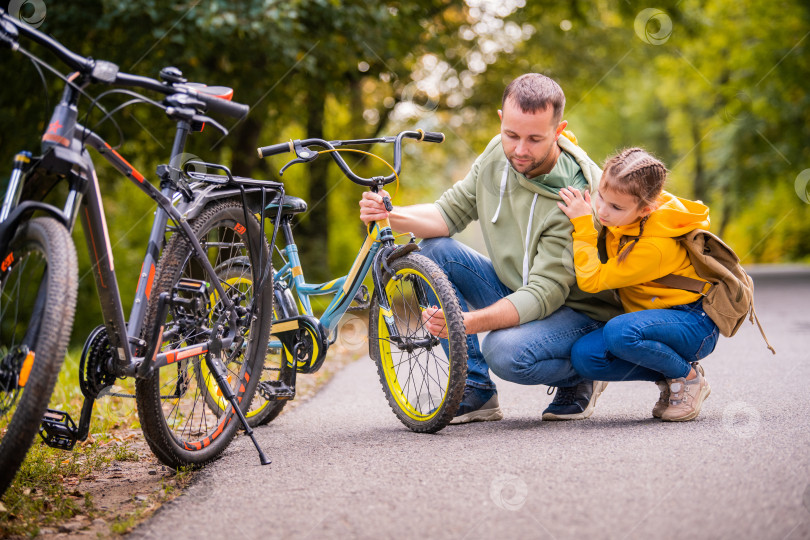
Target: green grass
42	494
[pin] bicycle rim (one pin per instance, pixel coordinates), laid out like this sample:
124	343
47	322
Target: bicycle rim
423	383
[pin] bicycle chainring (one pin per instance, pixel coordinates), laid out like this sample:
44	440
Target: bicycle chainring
95	364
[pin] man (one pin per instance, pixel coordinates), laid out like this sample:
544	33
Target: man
525	294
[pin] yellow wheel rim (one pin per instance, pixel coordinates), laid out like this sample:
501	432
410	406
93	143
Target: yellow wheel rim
211	385
410	399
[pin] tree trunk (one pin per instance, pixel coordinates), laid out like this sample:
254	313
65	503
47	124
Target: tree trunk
313	228
247	140
700	187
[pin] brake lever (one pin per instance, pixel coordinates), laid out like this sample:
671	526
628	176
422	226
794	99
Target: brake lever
291	163
303	155
209	120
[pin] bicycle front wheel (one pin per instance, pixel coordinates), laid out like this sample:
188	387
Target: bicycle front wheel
184	417
38	286
422	378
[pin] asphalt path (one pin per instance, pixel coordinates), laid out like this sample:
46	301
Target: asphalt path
344	466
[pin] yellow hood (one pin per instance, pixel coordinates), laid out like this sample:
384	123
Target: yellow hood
673	217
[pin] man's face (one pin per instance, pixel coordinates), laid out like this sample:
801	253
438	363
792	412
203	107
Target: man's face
530	139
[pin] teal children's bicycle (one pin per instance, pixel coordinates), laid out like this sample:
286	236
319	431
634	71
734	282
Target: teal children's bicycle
422	377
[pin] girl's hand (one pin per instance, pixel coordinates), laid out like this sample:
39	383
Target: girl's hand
576	204
433	319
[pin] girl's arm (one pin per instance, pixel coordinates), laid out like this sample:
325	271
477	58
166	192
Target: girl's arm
641	266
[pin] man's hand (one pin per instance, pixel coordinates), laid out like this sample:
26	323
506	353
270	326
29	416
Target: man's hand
372	207
434	321
575	203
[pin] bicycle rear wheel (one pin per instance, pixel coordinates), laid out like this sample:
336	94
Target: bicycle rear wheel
174	404
423	383
38	285
237	275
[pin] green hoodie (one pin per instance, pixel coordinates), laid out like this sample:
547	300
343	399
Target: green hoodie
541	273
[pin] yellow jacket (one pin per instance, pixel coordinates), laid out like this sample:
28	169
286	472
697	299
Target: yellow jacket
655	255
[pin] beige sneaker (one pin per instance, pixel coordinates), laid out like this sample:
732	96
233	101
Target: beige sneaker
686	397
663	400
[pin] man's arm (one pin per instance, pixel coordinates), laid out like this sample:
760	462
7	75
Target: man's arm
423	220
501	314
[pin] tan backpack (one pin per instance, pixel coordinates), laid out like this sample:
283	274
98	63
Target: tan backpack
730	297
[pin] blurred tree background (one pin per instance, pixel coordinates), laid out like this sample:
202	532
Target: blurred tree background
716	88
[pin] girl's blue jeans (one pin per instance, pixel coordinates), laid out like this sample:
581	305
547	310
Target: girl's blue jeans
648	345
538	352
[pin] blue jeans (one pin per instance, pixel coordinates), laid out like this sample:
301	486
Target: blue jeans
648	345
538	352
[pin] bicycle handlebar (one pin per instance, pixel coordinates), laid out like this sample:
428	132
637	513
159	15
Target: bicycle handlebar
106	72
304	154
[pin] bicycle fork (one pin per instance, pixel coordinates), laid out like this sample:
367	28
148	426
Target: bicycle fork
382	261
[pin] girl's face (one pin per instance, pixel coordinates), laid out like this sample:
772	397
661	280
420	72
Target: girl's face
616	209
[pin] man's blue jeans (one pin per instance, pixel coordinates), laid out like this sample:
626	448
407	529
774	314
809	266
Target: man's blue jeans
648	345
538	352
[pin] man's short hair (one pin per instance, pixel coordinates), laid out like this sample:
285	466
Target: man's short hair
534	92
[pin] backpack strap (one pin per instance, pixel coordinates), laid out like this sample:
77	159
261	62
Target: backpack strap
761	331
683	282
601	245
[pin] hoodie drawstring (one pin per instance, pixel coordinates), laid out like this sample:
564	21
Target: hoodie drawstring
528	225
503	188
526	243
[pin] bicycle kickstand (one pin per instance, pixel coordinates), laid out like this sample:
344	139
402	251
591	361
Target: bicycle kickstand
216	367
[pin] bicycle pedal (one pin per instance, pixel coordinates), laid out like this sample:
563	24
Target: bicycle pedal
191	285
362	298
58	430
276	391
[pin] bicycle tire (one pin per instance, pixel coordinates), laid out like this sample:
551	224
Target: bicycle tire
277	367
40	260
262	411
425	385
177	423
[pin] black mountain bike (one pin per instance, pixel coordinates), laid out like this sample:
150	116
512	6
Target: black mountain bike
192	337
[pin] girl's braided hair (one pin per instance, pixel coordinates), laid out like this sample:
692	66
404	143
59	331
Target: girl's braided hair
635	172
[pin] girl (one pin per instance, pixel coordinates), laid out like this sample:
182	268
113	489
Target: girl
664	331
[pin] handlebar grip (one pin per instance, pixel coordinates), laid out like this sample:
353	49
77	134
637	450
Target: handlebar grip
275	149
433	136
218	105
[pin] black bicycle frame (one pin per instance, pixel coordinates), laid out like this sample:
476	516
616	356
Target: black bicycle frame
84	200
